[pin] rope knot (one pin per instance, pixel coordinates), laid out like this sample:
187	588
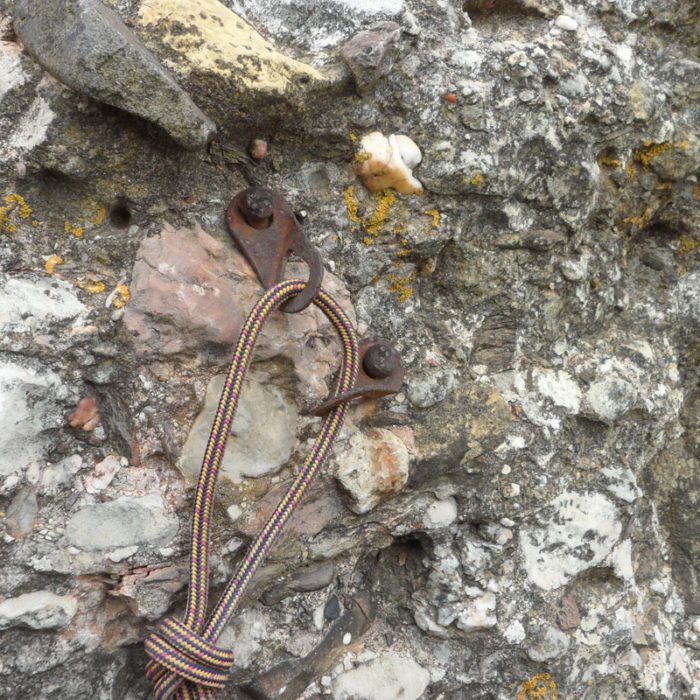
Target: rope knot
175	647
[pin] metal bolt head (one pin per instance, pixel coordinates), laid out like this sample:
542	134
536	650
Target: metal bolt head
257	208
380	360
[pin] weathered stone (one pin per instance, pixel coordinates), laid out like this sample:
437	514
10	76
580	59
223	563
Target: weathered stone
102	475
39	610
28	408
216	289
571	534
27	304
57	477
370	54
228	64
548	643
121	523
262	434
609	398
472	420
386	678
372	468
86	45
22	512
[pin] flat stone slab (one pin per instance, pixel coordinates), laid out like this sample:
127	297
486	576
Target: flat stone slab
86	45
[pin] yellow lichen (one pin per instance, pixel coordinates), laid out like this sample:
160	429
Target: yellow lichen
687	245
352	205
24	209
51	264
13	203
362	156
638	220
374	223
385	200
123	295
100	213
609	162
539	687
644	155
92	286
476	180
401	286
76	229
435	214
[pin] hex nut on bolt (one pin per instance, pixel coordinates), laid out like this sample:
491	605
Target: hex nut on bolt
380	360
257	207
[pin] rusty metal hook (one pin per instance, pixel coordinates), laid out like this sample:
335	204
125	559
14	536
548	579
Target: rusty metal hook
267	231
381	373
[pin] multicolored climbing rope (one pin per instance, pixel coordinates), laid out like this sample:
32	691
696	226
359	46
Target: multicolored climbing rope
185	661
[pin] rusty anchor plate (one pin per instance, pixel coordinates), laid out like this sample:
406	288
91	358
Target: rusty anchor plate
267	231
380	373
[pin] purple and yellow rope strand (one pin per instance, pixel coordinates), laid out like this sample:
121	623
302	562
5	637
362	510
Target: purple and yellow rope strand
185	663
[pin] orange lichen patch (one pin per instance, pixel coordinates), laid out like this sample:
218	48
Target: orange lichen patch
92	286
401	286
609	163
476	180
51	264
76	229
539	687
122	296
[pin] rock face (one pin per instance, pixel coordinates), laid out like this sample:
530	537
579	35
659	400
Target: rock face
520	520
85	44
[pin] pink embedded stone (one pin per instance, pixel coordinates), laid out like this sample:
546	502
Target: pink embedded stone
191	294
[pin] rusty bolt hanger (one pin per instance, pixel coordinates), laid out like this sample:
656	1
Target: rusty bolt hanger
381	373
266	230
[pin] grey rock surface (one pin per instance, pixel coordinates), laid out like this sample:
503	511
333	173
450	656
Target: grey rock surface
86	45
520	520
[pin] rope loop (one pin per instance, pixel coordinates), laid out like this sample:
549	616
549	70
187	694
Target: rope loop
185	662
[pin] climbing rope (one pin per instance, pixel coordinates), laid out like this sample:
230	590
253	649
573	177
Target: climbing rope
185	662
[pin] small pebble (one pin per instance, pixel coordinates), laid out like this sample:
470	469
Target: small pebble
568	24
332	609
258	149
347	637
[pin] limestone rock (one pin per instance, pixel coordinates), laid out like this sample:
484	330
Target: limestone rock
121	523
87	46
388	677
262	435
28	408
39	610
29	304
573	533
21	512
372	468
